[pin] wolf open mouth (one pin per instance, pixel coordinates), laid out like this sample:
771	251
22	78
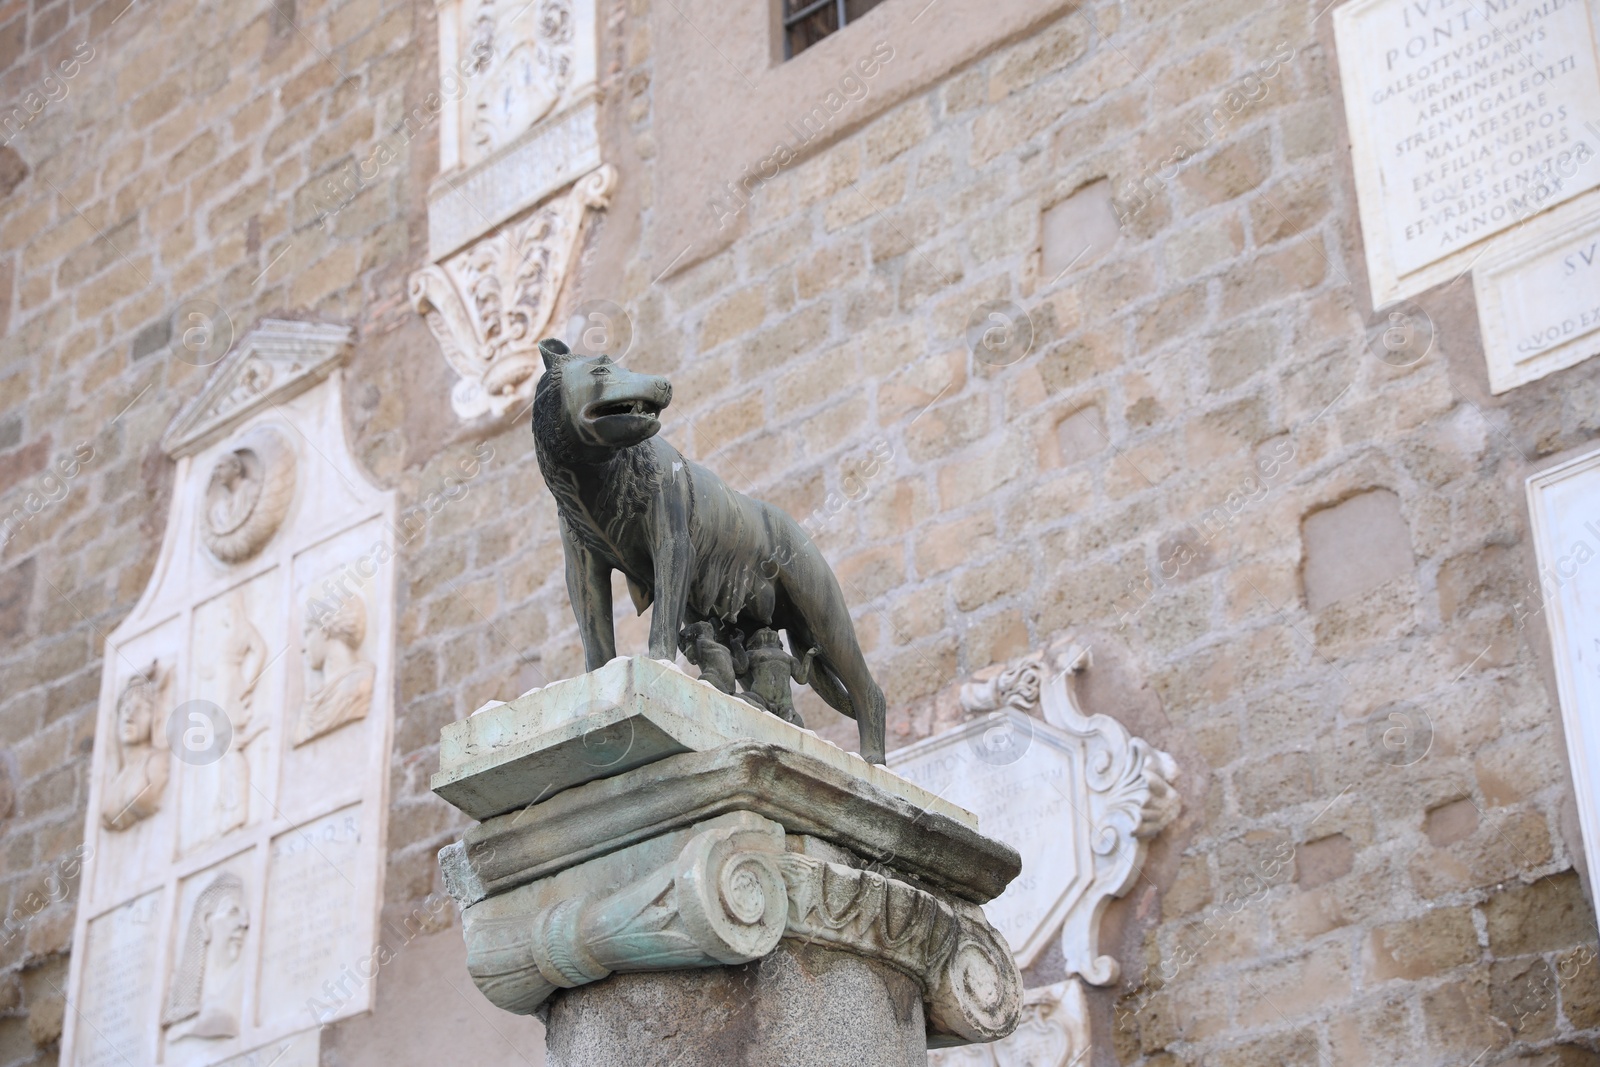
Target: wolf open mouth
642	408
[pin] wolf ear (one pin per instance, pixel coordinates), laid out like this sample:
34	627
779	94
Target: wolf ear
554	352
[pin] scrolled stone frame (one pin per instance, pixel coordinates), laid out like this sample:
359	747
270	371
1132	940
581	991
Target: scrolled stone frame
1053	1032
1127	797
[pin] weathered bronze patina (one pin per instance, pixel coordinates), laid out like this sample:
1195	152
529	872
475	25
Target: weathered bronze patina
686	543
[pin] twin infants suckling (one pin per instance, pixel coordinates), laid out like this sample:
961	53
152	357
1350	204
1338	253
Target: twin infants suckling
762	667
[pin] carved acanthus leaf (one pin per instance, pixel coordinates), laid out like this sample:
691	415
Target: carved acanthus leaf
489	304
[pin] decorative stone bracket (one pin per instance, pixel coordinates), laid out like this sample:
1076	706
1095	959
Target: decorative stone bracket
489	304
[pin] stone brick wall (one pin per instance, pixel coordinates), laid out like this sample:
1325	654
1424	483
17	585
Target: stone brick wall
1303	567
171	162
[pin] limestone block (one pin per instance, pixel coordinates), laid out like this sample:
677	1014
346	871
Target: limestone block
1356	545
631	712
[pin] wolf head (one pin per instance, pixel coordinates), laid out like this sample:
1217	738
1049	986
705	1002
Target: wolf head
600	407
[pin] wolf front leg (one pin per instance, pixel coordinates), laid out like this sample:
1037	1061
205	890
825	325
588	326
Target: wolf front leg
673	555
589	588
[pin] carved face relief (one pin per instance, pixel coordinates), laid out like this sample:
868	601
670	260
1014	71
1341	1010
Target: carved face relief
247	496
204	996
137	774
134	713
339	686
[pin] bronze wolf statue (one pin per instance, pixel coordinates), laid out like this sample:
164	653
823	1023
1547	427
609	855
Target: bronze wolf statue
697	550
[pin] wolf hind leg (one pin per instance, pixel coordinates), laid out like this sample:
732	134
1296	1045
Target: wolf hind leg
824	622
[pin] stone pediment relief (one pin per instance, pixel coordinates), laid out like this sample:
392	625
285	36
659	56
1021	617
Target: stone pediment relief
272	363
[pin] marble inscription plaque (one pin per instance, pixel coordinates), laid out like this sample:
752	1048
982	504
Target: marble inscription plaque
1564	503
1538	296
1466	118
555	154
205	775
312	920
1023	802
117	993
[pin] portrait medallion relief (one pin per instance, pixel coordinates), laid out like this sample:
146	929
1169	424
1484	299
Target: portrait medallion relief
339	682
247	496
204	998
140	761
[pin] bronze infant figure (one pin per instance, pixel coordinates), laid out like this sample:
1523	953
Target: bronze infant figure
699	551
765	669
702	647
